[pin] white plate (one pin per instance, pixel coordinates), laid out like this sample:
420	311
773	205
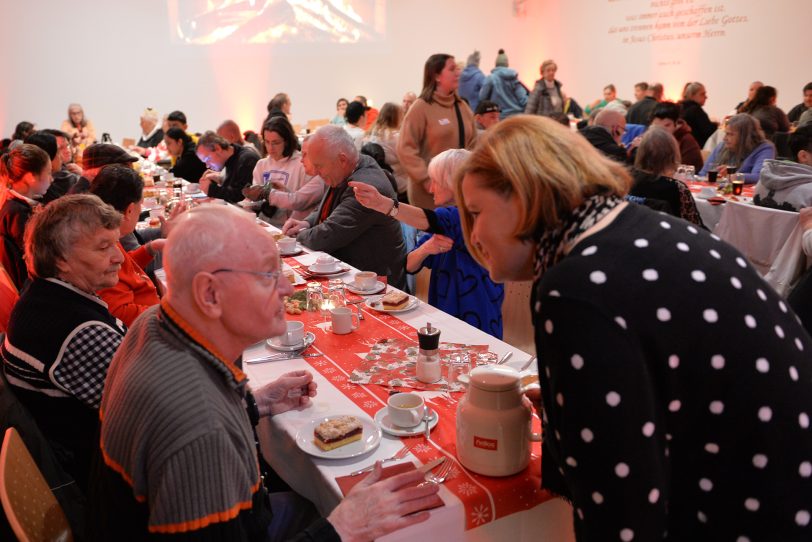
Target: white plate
700	195
370	439
374	303
382	419
379	287
309	339
297	250
339	271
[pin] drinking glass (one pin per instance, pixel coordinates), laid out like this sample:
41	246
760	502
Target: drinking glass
737	182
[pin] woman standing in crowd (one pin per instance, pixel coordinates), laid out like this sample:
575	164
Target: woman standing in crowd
80	129
672	378
744	147
547	98
25	173
654	167
280	181
439	120
694	97
458	286
181	147
386	132
763	108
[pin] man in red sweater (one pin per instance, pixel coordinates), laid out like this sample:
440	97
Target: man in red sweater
122	188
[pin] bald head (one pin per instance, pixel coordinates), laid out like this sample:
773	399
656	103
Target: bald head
230	131
614	122
211	237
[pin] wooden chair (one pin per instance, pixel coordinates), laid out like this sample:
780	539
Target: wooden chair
31	508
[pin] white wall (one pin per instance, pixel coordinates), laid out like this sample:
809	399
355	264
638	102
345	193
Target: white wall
115	58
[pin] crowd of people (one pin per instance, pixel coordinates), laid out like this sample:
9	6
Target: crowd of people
673	380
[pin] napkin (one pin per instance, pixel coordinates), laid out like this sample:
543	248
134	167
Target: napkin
346	483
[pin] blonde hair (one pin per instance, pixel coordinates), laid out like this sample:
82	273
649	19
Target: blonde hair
549	169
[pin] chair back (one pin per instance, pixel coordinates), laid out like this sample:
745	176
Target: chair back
31	508
8	298
315	124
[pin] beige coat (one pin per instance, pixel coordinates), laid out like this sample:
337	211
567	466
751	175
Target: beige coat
428	130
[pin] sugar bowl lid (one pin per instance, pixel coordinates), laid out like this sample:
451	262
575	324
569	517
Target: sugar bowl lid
495	378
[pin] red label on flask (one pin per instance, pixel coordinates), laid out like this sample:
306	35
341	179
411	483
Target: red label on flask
485	443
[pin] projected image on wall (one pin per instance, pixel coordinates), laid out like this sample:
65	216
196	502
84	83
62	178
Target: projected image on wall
207	22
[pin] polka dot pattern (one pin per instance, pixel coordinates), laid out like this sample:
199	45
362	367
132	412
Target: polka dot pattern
664	306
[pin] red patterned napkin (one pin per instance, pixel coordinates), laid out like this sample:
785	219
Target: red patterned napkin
346	483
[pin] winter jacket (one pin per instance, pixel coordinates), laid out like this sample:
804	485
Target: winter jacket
503	87
784	185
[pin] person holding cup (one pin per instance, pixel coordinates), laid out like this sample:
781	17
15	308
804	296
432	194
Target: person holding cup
672	377
458	286
744	146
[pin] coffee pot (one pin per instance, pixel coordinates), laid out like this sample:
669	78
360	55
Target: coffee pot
493	423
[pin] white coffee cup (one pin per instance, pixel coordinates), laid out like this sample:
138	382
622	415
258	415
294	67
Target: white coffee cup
342	320
293	335
366	280
405	409
287	244
325	264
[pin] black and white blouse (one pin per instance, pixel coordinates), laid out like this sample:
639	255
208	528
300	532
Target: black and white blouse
677	389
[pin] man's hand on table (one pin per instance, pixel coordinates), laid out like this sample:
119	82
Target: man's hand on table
374	508
291	227
276	397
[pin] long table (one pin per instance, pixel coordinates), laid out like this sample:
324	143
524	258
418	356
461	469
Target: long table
476	508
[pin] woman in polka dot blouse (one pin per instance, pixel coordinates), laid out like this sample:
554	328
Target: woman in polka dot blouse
676	384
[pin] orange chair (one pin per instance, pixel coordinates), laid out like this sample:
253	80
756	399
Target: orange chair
8	297
31	508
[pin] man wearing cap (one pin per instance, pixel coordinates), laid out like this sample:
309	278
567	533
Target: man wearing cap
486	115
151	132
238	161
96	157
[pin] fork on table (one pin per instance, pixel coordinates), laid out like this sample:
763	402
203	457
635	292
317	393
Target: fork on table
441	475
403	452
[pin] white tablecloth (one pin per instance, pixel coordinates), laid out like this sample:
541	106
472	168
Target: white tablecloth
314	478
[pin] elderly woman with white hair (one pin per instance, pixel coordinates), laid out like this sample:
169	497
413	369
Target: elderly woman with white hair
458	286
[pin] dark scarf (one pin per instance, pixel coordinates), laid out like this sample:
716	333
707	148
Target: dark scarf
554	242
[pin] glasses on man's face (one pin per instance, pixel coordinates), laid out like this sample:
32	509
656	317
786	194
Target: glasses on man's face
269	278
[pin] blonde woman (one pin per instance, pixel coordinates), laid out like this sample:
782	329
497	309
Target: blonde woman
672	377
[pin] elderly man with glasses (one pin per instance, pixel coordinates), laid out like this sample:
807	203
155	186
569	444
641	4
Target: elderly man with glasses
179	455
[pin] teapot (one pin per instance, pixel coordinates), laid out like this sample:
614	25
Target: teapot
493	423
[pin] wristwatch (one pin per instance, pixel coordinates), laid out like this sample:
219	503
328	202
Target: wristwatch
393	212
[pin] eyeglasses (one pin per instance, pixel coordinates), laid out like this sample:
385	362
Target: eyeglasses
271	277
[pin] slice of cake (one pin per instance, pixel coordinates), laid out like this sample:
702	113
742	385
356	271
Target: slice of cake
394	300
337	432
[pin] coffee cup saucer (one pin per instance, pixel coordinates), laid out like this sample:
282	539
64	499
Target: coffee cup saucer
309	339
382	420
356	289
